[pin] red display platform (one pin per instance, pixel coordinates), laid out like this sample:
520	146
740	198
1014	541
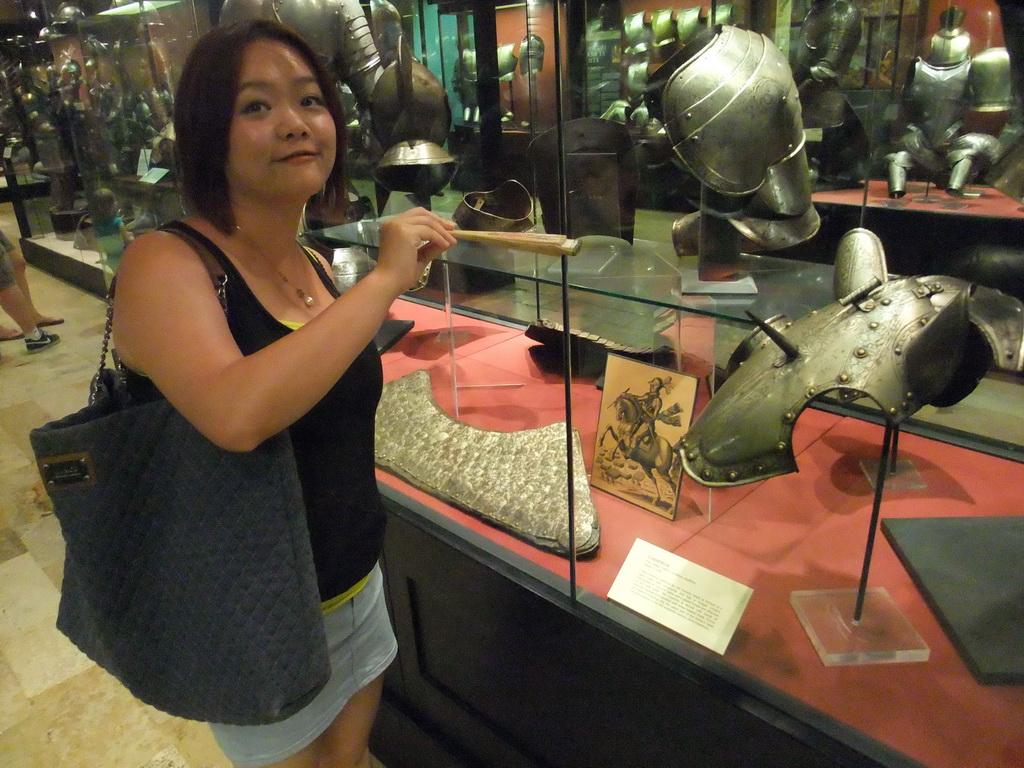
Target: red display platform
803	531
979	201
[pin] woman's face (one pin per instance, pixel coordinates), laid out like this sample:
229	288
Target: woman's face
282	138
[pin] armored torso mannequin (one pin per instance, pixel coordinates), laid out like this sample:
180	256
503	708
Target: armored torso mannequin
939	92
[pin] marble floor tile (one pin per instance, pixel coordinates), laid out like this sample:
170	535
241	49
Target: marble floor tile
89	721
27	598
14	704
42	658
10	544
38	655
168	758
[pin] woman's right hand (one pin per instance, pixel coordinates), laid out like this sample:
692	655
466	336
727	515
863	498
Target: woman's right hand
409	242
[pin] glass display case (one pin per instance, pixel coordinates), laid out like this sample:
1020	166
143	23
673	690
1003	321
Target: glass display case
104	136
700	166
683	235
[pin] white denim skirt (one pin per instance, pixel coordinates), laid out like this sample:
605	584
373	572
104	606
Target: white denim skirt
361	644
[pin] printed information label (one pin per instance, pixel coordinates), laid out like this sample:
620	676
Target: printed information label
683	596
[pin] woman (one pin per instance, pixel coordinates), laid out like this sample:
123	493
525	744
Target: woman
259	131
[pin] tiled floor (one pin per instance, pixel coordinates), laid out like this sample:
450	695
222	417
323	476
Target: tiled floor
58	709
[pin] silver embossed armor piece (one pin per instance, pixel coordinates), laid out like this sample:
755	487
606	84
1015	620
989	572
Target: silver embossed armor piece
732	114
732	111
513	480
902	343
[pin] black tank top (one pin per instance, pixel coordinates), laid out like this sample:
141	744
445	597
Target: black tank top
333	441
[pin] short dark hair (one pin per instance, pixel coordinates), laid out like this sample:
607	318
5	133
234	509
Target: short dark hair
204	107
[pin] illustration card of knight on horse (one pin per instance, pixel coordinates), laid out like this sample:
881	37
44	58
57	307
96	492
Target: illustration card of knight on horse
645	411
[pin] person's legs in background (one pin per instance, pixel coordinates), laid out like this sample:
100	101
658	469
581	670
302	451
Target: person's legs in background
14	268
14	303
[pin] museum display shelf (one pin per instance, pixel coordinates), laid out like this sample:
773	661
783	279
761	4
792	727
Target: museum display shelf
460	589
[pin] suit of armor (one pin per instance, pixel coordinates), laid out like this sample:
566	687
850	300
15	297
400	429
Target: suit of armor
938	93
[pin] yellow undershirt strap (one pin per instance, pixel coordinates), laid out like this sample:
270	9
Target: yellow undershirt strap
329	605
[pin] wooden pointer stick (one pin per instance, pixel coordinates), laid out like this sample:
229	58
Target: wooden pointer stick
548	245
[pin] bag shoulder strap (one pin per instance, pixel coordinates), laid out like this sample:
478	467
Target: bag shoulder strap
204	249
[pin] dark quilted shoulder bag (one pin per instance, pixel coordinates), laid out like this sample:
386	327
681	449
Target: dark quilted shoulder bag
189	574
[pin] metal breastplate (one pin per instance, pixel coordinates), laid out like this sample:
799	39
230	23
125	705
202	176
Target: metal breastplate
990	81
903	343
936	98
732	111
513	480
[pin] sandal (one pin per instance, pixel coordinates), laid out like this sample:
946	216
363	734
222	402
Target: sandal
49	321
10	334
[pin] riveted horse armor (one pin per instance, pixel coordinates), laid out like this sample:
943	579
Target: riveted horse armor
902	343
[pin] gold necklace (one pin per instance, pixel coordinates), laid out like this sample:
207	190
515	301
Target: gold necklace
298	291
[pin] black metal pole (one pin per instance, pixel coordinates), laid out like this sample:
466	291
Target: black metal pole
883	470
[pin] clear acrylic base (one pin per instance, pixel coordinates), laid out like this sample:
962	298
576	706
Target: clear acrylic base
905	477
882	636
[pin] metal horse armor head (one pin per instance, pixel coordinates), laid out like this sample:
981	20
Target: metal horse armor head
901	342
